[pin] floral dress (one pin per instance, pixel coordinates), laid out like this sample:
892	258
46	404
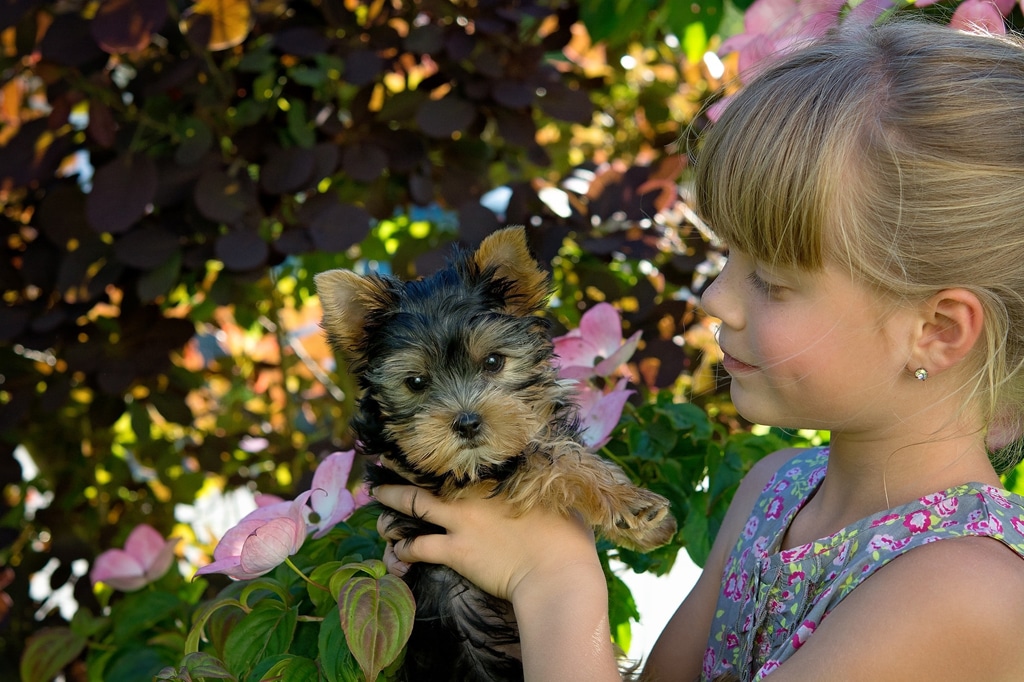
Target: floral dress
772	600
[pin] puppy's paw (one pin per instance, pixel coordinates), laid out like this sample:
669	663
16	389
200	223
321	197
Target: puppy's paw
645	522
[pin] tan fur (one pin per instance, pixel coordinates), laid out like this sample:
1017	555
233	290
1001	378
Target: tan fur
346	297
507	251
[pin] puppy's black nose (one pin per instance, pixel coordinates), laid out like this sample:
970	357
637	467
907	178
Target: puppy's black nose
468	424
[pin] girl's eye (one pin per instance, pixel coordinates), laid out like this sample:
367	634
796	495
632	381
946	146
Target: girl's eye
417	384
759	284
493	363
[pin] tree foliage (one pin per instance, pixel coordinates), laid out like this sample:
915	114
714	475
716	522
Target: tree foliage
172	174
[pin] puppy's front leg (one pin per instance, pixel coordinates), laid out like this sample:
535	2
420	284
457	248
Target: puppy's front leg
574	479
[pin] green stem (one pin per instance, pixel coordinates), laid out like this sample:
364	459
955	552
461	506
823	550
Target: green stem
302	575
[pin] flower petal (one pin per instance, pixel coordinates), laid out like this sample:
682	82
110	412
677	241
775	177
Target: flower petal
162	561
119	569
602	417
574	351
602	326
144	543
268	546
330	497
607	367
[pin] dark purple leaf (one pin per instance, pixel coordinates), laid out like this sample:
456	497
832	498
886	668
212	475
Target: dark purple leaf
338	227
562	102
364	162
102	127
121	192
126	25
426	39
287	169
362	67
458	44
61	215
421	189
11	11
241	250
13	320
69	42
301	41
146	247
325	160
222	198
21	162
516	127
443	117
293	241
476	222
513	94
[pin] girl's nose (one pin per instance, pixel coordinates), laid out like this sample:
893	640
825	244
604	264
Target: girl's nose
718	302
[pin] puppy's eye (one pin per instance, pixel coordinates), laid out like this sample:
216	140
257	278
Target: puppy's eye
417	384
493	362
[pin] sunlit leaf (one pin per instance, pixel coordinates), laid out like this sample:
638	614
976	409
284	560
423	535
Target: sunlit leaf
223	23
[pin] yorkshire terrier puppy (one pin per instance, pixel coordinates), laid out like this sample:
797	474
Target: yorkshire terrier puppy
460	393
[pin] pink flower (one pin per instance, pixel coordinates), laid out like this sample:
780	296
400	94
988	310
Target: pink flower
774	510
599	412
788	556
773	27
987	15
329	496
261	541
596	347
146	557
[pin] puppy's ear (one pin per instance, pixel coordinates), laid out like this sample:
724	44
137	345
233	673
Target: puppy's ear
347	299
506	251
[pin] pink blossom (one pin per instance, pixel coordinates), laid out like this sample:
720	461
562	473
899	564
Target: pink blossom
599	412
146	557
971	15
261	541
1018	524
329	496
774	510
774	27
595	348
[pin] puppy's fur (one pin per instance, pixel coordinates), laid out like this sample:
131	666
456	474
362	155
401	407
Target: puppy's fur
460	393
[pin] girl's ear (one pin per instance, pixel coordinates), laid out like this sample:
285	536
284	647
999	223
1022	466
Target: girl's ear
951	323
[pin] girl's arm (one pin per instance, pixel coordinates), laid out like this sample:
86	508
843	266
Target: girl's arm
679	652
545	564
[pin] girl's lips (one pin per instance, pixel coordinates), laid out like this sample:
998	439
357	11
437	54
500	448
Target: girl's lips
734	366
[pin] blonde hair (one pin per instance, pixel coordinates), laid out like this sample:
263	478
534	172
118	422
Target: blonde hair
896	151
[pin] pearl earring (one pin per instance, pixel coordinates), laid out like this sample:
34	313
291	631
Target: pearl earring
921	374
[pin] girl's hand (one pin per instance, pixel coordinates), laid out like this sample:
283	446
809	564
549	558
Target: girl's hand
485	542
544	563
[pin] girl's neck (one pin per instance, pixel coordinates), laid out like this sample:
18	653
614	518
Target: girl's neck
866	477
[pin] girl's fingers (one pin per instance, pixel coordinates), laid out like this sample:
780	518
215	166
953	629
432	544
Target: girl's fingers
428	548
411	501
395	566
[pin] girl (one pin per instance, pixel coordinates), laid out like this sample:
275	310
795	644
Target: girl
870	189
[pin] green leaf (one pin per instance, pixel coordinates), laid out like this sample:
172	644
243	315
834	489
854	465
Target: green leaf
695	529
336	660
322	599
293	669
200	664
140	611
265	631
377	616
48	651
202	615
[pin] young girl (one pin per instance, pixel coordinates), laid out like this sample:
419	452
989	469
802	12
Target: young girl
871	191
